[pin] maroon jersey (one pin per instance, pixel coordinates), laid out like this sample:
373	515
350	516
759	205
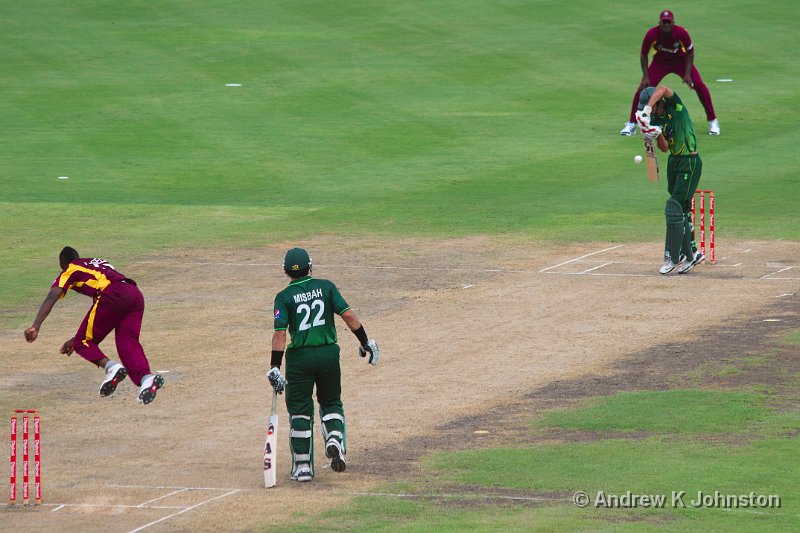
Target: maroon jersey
669	48
87	276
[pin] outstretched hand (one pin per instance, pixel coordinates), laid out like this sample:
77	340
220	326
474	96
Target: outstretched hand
68	347
31	333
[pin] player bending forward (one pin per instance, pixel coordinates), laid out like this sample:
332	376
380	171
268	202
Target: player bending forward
662	111
306	308
674	54
117	304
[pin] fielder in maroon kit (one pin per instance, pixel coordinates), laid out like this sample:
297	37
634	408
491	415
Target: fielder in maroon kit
674	54
117	305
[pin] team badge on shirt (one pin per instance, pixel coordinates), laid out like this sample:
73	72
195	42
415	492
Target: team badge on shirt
277	314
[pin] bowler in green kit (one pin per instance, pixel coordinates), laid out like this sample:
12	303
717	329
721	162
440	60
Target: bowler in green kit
306	309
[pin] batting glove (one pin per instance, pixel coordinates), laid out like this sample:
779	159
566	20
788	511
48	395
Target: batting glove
643	117
652	132
370	348
277	380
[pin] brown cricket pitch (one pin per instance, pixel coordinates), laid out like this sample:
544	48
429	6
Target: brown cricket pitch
465	326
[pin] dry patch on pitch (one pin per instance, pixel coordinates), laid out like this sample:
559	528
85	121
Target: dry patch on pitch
468	329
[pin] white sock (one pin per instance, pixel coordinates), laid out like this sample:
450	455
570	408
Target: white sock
109	365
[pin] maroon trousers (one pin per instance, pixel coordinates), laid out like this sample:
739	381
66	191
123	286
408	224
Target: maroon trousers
120	307
657	71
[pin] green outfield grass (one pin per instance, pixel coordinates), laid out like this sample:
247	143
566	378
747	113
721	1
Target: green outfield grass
427	118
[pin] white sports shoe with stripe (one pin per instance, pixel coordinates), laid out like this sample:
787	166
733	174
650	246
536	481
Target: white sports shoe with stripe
335	453
628	129
114	375
150	384
699	257
302	472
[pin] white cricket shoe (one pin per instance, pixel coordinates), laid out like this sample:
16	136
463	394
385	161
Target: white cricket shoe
150	384
713	127
302	472
335	452
668	267
114	375
628	130
699	257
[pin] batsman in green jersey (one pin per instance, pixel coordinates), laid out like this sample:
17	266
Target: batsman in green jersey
662	111
306	309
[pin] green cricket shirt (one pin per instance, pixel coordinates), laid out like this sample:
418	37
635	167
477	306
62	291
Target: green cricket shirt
677	126
306	308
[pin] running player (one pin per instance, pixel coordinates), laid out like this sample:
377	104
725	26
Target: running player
117	304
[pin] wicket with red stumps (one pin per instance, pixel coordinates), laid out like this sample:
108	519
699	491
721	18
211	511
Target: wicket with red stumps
699	202
37	456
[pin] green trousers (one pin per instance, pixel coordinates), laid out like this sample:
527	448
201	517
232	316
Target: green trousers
307	368
683	177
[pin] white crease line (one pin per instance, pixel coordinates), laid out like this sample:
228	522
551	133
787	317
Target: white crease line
187	509
161	487
597	267
603	274
626	275
620	275
582	257
162	497
776	272
110	506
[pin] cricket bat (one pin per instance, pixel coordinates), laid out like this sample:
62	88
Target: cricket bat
271	446
651	160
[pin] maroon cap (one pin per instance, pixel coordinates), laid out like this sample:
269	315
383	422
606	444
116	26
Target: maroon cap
667	15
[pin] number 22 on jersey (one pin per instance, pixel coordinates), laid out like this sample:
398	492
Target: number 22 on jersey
316	309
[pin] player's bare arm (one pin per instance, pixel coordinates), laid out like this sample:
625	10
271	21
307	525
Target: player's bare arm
47	305
274	375
351	320
368	346
278	344
660	92
662	143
